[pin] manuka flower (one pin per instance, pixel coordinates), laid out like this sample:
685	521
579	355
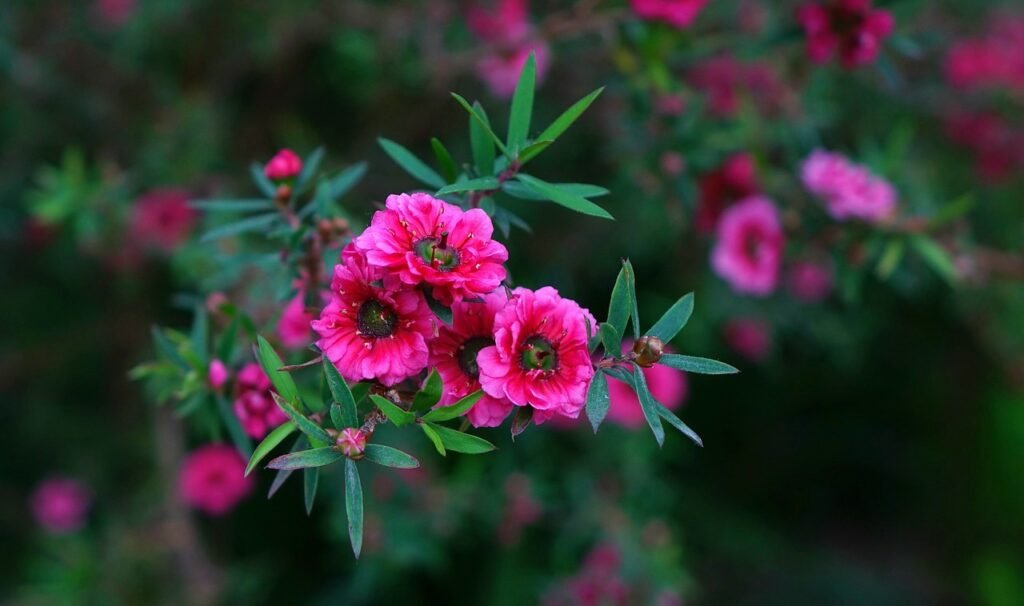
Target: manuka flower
849	190
540	356
213	479
748	253
60	505
293	327
734	180
254	406
373	328
162	219
423	240
853	29
510	38
454	354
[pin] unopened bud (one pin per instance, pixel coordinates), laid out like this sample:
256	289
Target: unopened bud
286	164
284	191
351	442
648	351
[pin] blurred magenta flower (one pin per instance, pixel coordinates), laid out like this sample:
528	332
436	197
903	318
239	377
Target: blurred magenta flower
672	164
677	13
998	147
60	505
668	385
599	582
849	190
254	406
994	60
748	251
540	357
217	374
810	281
724	82
734	180
162	219
293	328
749	337
511	38
213	480
285	165
851	29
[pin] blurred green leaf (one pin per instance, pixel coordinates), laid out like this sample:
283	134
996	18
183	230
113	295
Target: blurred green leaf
249	224
269	443
317	457
165	347
563	197
522	106
434	438
394	414
891	256
200	330
354	506
669	325
447	413
479	118
235	431
310	482
264	184
344	181
564	121
648	404
597	400
233	205
411	164
935	256
390	457
703	366
226	343
309	168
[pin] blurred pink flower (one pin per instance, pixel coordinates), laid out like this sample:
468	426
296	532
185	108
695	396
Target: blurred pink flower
254	406
749	337
599	582
500	69
677	13
734	180
748	252
162	219
213	479
670	104
217	374
293	329
60	505
114	13
810	281
285	164
724	81
507	21
994	60
668	385
672	163
998	147
849	190
851	29
510	39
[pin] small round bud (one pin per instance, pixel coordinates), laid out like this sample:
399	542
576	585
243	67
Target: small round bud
217	374
284	191
648	351
351	442
286	164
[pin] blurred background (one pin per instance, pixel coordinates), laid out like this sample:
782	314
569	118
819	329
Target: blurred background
870	451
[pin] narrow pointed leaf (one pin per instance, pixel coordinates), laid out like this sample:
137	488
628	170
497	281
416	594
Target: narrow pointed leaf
310	482
533	150
480	141
620	304
394	414
200	330
270	362
316	457
442	311
479	184
314	432
344	181
522	106
226	343
597	400
264	184
390	457
634	308
648	405
460	442
410	163
521	421
674	319
354	506
269	443
430	395
935	256
341	394
563	197
564	121
584	190
232	205
165	347
309	167
428	431
482	121
336	417
447	413
282	475
238	436
703	366
611	339
444	160
254	223
676	422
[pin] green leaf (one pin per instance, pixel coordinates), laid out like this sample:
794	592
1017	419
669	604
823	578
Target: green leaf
310	481
433	437
411	164
891	256
952	211
611	339
254	223
336	419
460	442
481	120
341	394
522	106
270	362
634	310
346	180
262	182
444	160
282	475
314	432
430	395
309	168
533	150
269	443
564	121
165	347
521	421
597	400
619	307
232	205
226	343
317	457
238	436
390	457
359	391
442	311
200	330
935	256
354	506
480	141
676	422
584	190
479	184
703	366
394	414
564	198
447	413
674	319
648	404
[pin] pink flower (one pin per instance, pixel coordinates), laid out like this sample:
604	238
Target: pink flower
511	39
114	13
734	180
850	28
500	69
60	505
677	13
213	479
162	219
724	81
351	441
217	375
668	385
521	508
454	354
810	281
254	406
997	146
285	164
293	328
995	60
423	240
749	337
849	190
748	253
506	22
372	328
540	356
672	163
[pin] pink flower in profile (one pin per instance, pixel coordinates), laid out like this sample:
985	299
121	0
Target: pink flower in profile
677	13
162	219
749	337
540	356
254	406
849	190
423	240
748	253
454	354
213	479
510	38
810	281
734	180
668	385
285	165
371	328
60	505
217	374
851	29
293	328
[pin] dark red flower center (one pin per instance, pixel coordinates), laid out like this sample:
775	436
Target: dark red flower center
436	253
376	319
466	355
538	354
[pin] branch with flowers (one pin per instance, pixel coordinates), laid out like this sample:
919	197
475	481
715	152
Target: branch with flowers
420	326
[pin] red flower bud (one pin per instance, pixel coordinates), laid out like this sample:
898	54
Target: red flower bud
648	351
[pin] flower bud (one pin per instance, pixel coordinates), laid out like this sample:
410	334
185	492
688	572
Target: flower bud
648	351
284	165
217	375
351	442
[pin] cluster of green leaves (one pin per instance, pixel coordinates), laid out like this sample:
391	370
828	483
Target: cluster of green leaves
497	163
623	311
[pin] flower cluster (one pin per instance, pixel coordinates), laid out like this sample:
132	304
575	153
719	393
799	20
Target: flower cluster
851	29
849	190
523	348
